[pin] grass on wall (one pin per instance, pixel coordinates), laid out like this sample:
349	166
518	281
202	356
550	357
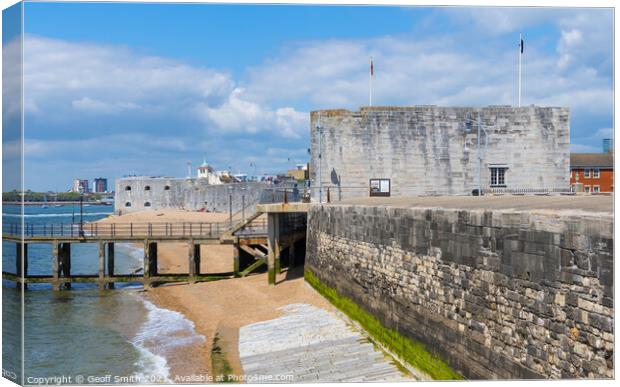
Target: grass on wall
414	353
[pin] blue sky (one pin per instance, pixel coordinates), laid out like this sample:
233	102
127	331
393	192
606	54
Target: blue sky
114	89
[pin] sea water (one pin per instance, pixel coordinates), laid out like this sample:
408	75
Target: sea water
85	335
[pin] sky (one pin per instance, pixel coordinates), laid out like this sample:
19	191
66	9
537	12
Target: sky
112	89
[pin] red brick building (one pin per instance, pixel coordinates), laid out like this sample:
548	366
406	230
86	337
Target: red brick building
593	171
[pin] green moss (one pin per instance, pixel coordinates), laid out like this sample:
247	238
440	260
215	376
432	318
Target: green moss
222	370
413	352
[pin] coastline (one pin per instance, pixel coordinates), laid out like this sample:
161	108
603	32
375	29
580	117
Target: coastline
217	309
220	308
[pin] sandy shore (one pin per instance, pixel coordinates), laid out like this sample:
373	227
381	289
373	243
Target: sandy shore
218	308
172	257
163	216
222	307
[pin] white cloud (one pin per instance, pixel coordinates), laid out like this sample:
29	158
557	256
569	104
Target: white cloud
239	114
586	41
434	70
501	20
65	79
56	68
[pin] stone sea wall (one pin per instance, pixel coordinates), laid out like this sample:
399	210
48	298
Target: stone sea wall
497	294
431	150
142	193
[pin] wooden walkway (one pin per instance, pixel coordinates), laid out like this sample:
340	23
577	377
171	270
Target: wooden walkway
261	240
61	237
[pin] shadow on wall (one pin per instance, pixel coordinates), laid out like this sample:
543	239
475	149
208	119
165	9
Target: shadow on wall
335	177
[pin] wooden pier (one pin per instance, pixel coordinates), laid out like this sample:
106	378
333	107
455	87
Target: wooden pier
261	240
62	236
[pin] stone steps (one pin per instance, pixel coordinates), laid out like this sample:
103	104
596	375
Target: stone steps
312	345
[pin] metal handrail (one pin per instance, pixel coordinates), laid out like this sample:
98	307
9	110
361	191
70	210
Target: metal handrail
131	229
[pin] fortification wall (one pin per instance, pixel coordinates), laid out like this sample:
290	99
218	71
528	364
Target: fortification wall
499	294
192	194
430	150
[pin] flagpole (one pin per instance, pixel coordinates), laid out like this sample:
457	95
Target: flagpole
370	84
520	53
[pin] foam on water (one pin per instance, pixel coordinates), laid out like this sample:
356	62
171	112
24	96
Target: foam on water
136	254
163	334
151	368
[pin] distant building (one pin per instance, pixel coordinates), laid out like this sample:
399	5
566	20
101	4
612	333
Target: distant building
300	172
205	171
212	177
592	172
155	193
100	185
80	185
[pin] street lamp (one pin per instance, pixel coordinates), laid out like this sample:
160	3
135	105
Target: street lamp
81	212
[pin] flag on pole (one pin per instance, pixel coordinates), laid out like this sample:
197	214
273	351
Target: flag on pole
372	68
521	44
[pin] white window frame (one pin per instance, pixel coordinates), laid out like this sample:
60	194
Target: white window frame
586	173
596	188
586	189
495	178
596	173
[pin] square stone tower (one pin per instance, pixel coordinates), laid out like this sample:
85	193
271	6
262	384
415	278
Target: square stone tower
431	150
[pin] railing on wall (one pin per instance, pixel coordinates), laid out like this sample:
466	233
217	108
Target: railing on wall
333	193
330	193
528	191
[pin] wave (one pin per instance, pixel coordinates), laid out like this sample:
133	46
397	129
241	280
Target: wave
135	253
59	215
163	333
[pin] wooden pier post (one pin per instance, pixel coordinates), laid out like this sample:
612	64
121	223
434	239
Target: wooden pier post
102	265
110	265
153	259
236	260
273	244
150	261
21	262
55	266
194	259
65	263
146	271
278	253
